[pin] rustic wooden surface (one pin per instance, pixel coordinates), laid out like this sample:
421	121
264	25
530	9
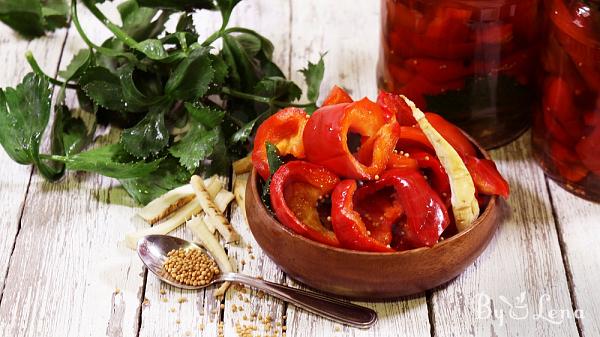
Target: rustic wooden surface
65	271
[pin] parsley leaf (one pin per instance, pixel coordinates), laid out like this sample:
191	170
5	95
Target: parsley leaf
207	116
183	105
169	175
275	163
226	7
78	64
104	88
70	134
33	18
278	88
241	69
148	137
138	21
54	13
132	95
109	160
313	75
197	145
244	132
24	114
192	76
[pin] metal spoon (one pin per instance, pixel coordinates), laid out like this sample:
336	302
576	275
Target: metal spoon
153	250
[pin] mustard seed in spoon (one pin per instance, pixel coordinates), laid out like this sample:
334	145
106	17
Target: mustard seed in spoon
190	266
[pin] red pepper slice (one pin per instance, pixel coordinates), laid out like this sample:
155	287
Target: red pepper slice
438	70
411	137
426	215
589	152
394	105
385	138
380	211
486	177
296	188
401	15
452	134
558	101
283	129
449	23
348	224
592	118
437	174
493	33
397	76
337	95
407	43
567	163
326	135
401	161
556	130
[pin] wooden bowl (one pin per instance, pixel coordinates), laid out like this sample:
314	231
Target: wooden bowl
366	275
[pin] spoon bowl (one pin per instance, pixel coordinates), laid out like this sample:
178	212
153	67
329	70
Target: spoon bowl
153	250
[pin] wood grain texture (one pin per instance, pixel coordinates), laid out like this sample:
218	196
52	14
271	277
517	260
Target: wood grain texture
245	306
71	274
178	312
348	33
15	178
350	36
522	267
577	223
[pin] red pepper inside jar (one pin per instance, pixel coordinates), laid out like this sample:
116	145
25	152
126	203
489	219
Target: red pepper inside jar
566	131
471	61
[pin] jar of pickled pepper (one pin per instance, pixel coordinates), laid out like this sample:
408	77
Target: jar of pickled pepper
566	127
472	61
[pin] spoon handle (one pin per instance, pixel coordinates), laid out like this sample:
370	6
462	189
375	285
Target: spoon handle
334	309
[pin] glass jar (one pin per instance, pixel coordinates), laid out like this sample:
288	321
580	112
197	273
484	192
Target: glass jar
471	61
566	130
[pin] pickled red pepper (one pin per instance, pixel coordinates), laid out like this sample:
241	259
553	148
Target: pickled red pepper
566	130
470	61
388	193
284	129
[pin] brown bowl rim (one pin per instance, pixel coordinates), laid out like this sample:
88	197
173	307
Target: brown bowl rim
488	209
491	203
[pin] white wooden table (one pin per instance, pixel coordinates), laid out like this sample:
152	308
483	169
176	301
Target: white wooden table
65	271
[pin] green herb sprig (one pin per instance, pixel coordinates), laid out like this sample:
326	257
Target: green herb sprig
184	107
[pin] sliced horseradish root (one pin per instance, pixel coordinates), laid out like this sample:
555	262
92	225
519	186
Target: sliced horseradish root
464	204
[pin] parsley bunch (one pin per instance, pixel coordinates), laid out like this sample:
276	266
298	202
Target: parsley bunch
184	107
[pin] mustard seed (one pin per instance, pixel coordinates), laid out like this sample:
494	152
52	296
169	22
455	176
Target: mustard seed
190	266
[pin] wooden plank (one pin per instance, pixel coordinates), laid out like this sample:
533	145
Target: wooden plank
522	267
178	312
324	26
71	273
349	34
173	311
244	306
201	314
577	224
15	178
